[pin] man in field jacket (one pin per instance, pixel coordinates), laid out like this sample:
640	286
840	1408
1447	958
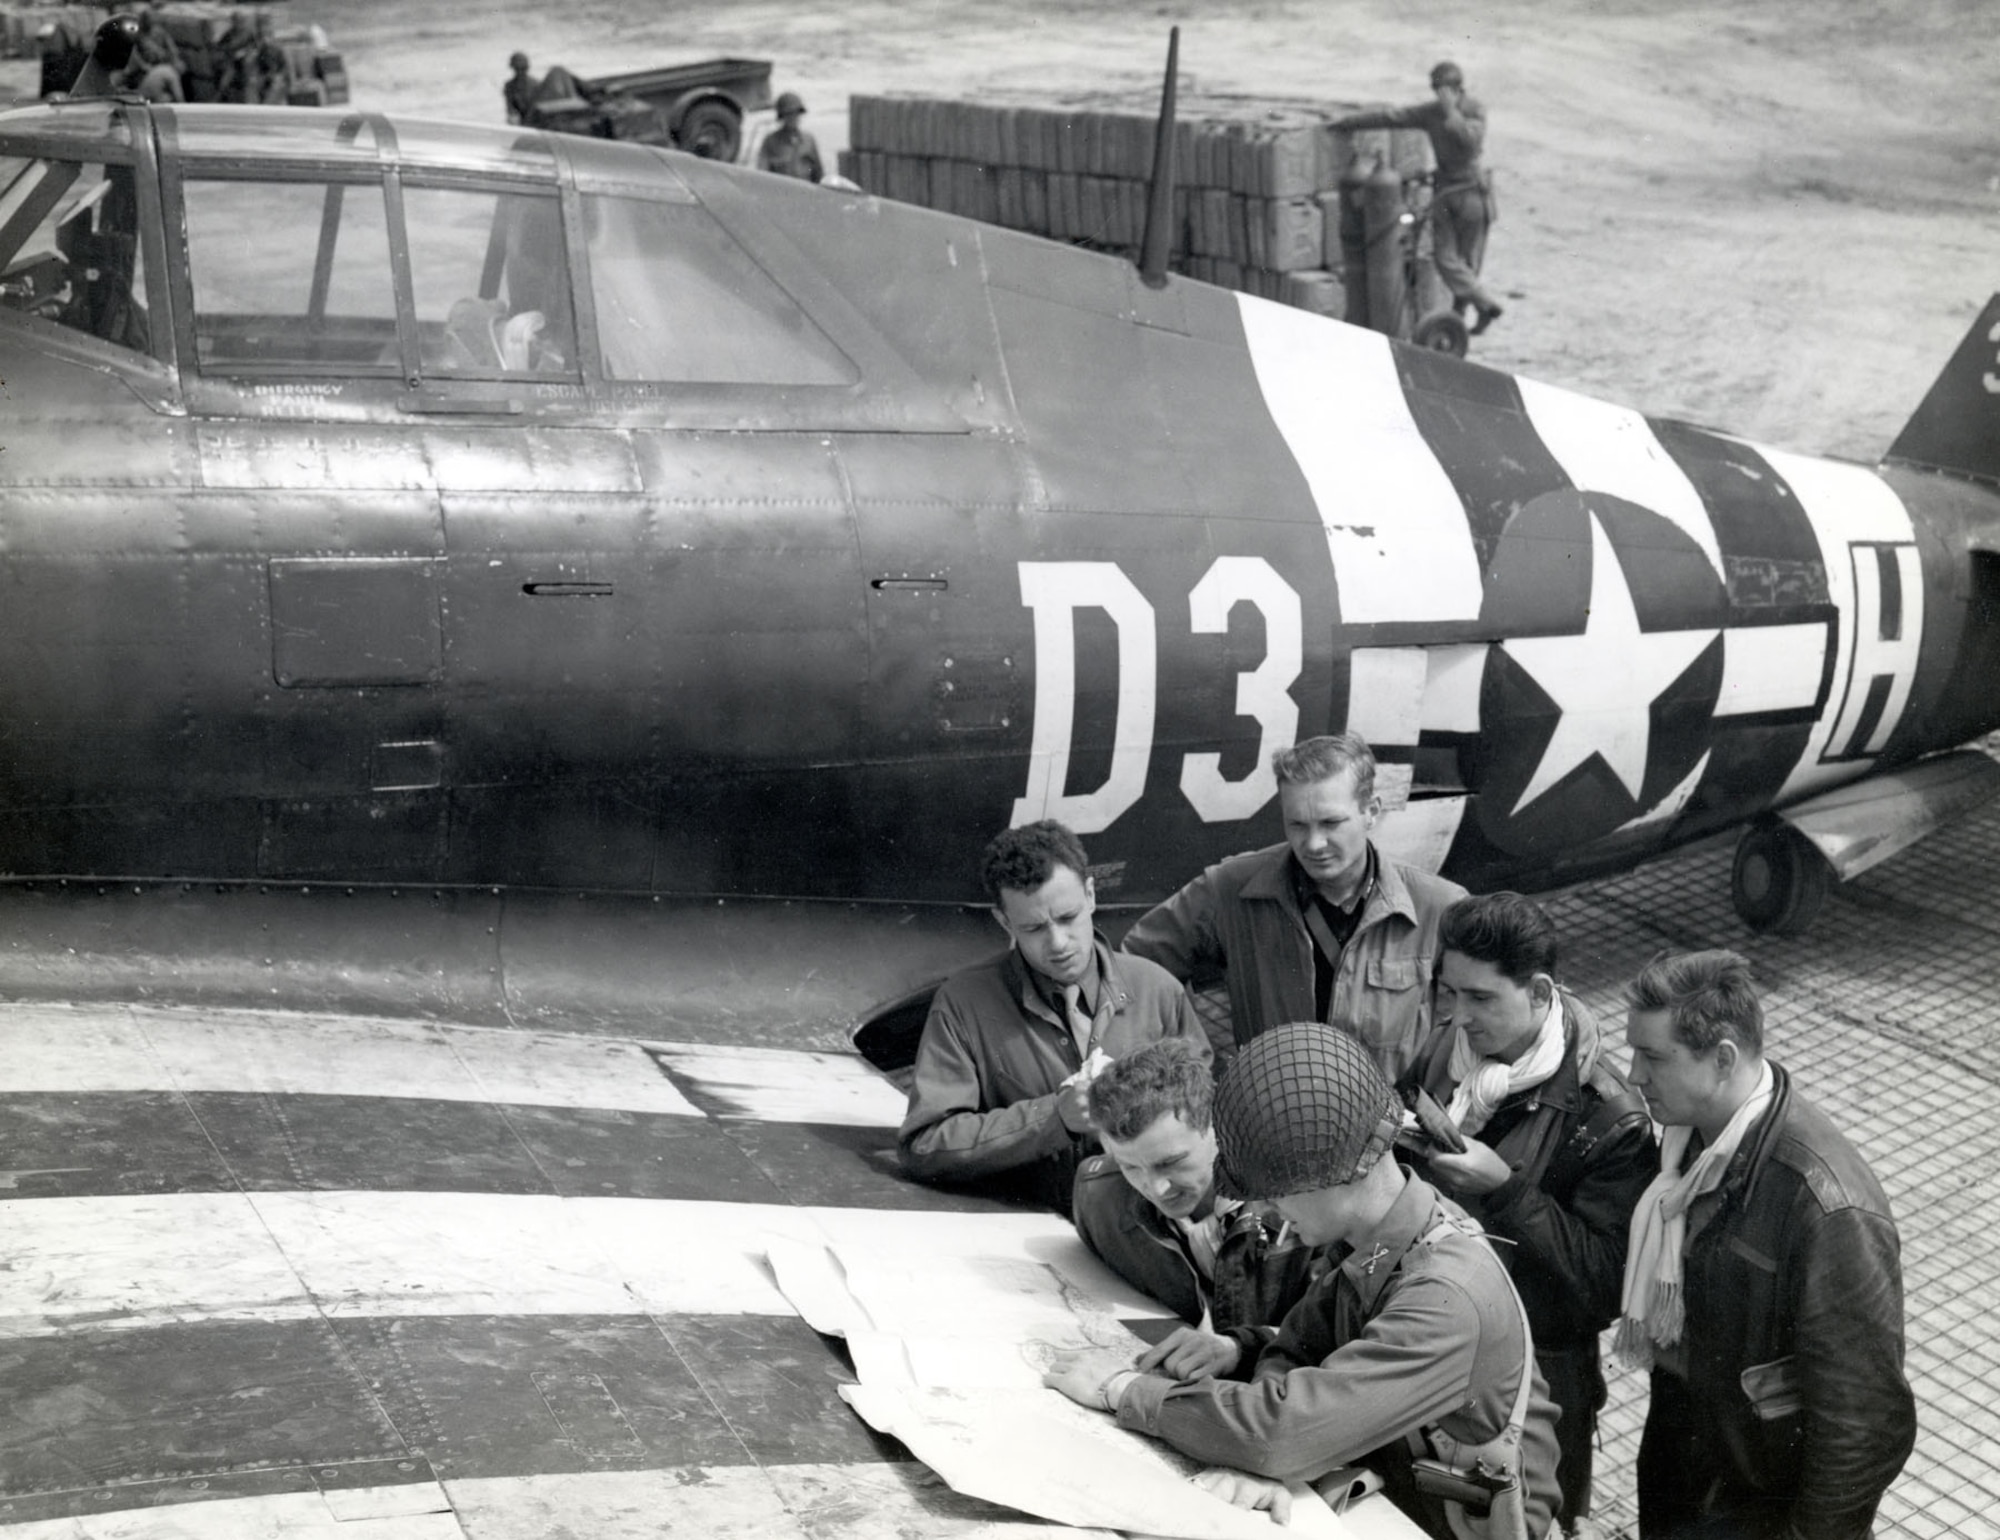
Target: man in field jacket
1410	1354
1322	928
1004	1065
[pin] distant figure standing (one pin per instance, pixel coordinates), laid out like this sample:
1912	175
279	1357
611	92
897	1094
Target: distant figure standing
238	46
273	66
519	88
1461	200
788	149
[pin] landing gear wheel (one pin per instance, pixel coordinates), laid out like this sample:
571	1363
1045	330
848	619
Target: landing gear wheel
1443	332
712	130
1779	880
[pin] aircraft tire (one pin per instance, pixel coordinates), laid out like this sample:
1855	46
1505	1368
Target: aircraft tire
712	130
1778	880
1443	332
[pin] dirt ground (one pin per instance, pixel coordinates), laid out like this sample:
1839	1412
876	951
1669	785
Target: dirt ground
1776	218
1772	216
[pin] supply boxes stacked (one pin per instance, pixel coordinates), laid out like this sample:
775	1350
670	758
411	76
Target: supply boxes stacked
1256	205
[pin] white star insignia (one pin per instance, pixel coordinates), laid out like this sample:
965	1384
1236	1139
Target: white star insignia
1604	681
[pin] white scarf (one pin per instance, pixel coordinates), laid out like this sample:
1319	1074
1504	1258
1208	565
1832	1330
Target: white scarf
1483	1084
1652	1305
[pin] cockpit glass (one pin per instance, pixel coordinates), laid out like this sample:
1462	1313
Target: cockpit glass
474	149
490	284
305	134
70	250
291	276
678	300
85	128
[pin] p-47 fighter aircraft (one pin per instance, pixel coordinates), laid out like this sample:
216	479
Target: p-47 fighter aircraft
400	503
393	506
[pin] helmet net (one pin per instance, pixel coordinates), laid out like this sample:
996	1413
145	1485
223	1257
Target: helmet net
1302	1107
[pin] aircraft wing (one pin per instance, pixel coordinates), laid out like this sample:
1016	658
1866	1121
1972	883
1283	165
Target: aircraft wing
315	1275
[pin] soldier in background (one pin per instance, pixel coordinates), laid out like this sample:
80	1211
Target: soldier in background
238	49
273	66
788	149
65	45
155	69
519	89
1461	198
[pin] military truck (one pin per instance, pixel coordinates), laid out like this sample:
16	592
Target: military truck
697	107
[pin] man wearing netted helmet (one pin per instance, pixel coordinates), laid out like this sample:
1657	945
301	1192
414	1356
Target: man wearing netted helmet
1149	1209
1414	1335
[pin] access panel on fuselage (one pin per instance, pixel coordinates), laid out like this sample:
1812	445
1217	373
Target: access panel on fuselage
644	682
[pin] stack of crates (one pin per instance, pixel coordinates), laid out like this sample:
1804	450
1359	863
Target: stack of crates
1256	205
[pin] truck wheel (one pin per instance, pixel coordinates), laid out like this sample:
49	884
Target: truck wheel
713	130
1443	332
1778	880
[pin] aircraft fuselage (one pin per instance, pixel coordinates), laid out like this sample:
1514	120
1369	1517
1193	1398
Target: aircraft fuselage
471	507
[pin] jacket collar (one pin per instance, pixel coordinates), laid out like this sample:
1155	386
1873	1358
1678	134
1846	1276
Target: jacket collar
1272	877
1112	985
1144	1217
1373	1257
1748	1164
1586	1037
1275	876
1564	1088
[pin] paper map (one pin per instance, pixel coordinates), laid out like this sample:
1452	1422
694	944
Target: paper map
950	1352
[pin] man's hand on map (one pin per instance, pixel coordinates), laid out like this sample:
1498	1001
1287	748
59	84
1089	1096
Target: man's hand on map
1240	1489
1083	1377
1191	1354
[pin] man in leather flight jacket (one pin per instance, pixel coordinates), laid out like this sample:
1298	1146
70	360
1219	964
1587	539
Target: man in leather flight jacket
1764	1283
1149	1209
1557	1147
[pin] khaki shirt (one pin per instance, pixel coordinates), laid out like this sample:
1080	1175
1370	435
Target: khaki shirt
1415	1329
